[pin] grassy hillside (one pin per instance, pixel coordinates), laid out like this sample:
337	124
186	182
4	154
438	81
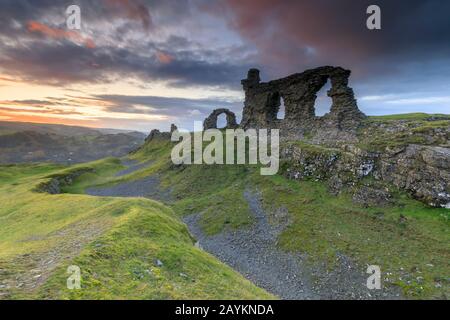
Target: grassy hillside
114	241
122	238
30	146
59	129
406	238
29	142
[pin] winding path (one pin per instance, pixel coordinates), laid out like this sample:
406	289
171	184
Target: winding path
253	251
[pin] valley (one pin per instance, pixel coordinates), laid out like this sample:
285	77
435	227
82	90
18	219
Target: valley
28	143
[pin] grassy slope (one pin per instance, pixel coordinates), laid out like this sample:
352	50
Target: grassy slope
413	128
413	251
117	260
410	116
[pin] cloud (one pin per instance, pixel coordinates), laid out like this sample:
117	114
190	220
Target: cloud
211	44
55	33
70	63
131	9
40	110
162	52
163	105
298	34
421	101
164	57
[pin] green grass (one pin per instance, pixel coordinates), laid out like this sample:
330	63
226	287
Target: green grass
39	229
216	192
409	116
121	264
118	263
413	255
381	132
324	225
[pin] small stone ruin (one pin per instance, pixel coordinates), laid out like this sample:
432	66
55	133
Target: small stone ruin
211	121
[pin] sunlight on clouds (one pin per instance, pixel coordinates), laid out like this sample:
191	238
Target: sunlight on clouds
136	87
20	91
21	101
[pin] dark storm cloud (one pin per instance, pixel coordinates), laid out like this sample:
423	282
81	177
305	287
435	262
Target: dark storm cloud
295	34
25	10
68	63
27	53
410	54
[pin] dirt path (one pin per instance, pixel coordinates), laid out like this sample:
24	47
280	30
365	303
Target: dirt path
253	252
132	166
148	187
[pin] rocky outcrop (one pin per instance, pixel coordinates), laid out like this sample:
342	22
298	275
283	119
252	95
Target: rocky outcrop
423	171
211	121
156	134
369	196
56	182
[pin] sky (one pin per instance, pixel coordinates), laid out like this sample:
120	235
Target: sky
144	64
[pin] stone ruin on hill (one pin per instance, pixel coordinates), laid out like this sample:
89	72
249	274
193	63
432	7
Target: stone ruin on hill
333	154
211	121
299	92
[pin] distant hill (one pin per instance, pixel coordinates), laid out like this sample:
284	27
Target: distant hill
10	127
30	142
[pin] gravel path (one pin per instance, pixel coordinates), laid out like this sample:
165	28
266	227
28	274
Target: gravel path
148	187
132	166
254	254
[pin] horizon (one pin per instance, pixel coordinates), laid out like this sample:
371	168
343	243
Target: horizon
221	121
142	65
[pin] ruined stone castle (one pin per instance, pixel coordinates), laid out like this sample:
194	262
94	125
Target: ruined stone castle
415	157
299	93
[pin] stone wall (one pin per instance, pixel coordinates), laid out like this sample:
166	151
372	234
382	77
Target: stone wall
299	92
211	121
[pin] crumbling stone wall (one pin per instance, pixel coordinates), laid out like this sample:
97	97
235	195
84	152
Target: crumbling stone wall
156	134
211	121
299	92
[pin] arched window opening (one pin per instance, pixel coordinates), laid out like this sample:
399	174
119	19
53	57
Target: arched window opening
323	101
282	110
222	121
